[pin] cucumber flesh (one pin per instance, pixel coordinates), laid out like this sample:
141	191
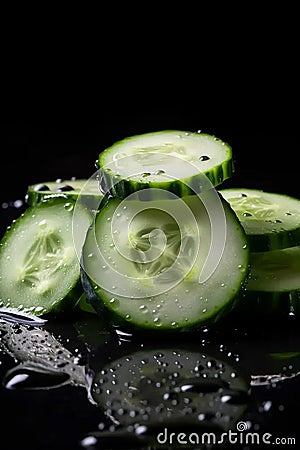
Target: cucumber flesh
178	161
271	221
39	267
87	190
144	262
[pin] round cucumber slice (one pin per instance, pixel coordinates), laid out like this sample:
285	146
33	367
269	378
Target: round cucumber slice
275	271
178	161
87	189
168	264
39	267
271	221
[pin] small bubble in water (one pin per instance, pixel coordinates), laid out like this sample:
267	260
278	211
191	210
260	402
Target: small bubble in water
143	308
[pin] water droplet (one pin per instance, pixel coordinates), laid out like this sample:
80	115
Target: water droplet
18	203
157	321
204	158
114	301
29	379
143	308
69	206
267	405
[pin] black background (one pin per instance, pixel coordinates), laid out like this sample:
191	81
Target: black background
64	141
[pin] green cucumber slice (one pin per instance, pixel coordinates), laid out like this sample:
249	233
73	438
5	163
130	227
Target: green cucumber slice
275	271
178	161
39	266
144	262
87	189
174	388
273	286
271	221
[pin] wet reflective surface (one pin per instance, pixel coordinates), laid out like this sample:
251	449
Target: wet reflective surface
78	385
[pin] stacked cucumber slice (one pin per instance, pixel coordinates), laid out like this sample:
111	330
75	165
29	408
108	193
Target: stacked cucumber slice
85	190
272	224
152	241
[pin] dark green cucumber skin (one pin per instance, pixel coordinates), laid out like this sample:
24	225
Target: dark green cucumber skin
273	241
116	186
64	305
90	200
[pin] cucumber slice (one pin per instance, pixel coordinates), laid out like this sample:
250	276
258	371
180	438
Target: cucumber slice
273	286
87	189
39	267
144	262
178	161
271	221
275	271
173	388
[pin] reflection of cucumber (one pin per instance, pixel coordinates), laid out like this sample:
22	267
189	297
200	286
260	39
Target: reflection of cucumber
271	221
178	161
87	189
164	293
171	386
39	268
